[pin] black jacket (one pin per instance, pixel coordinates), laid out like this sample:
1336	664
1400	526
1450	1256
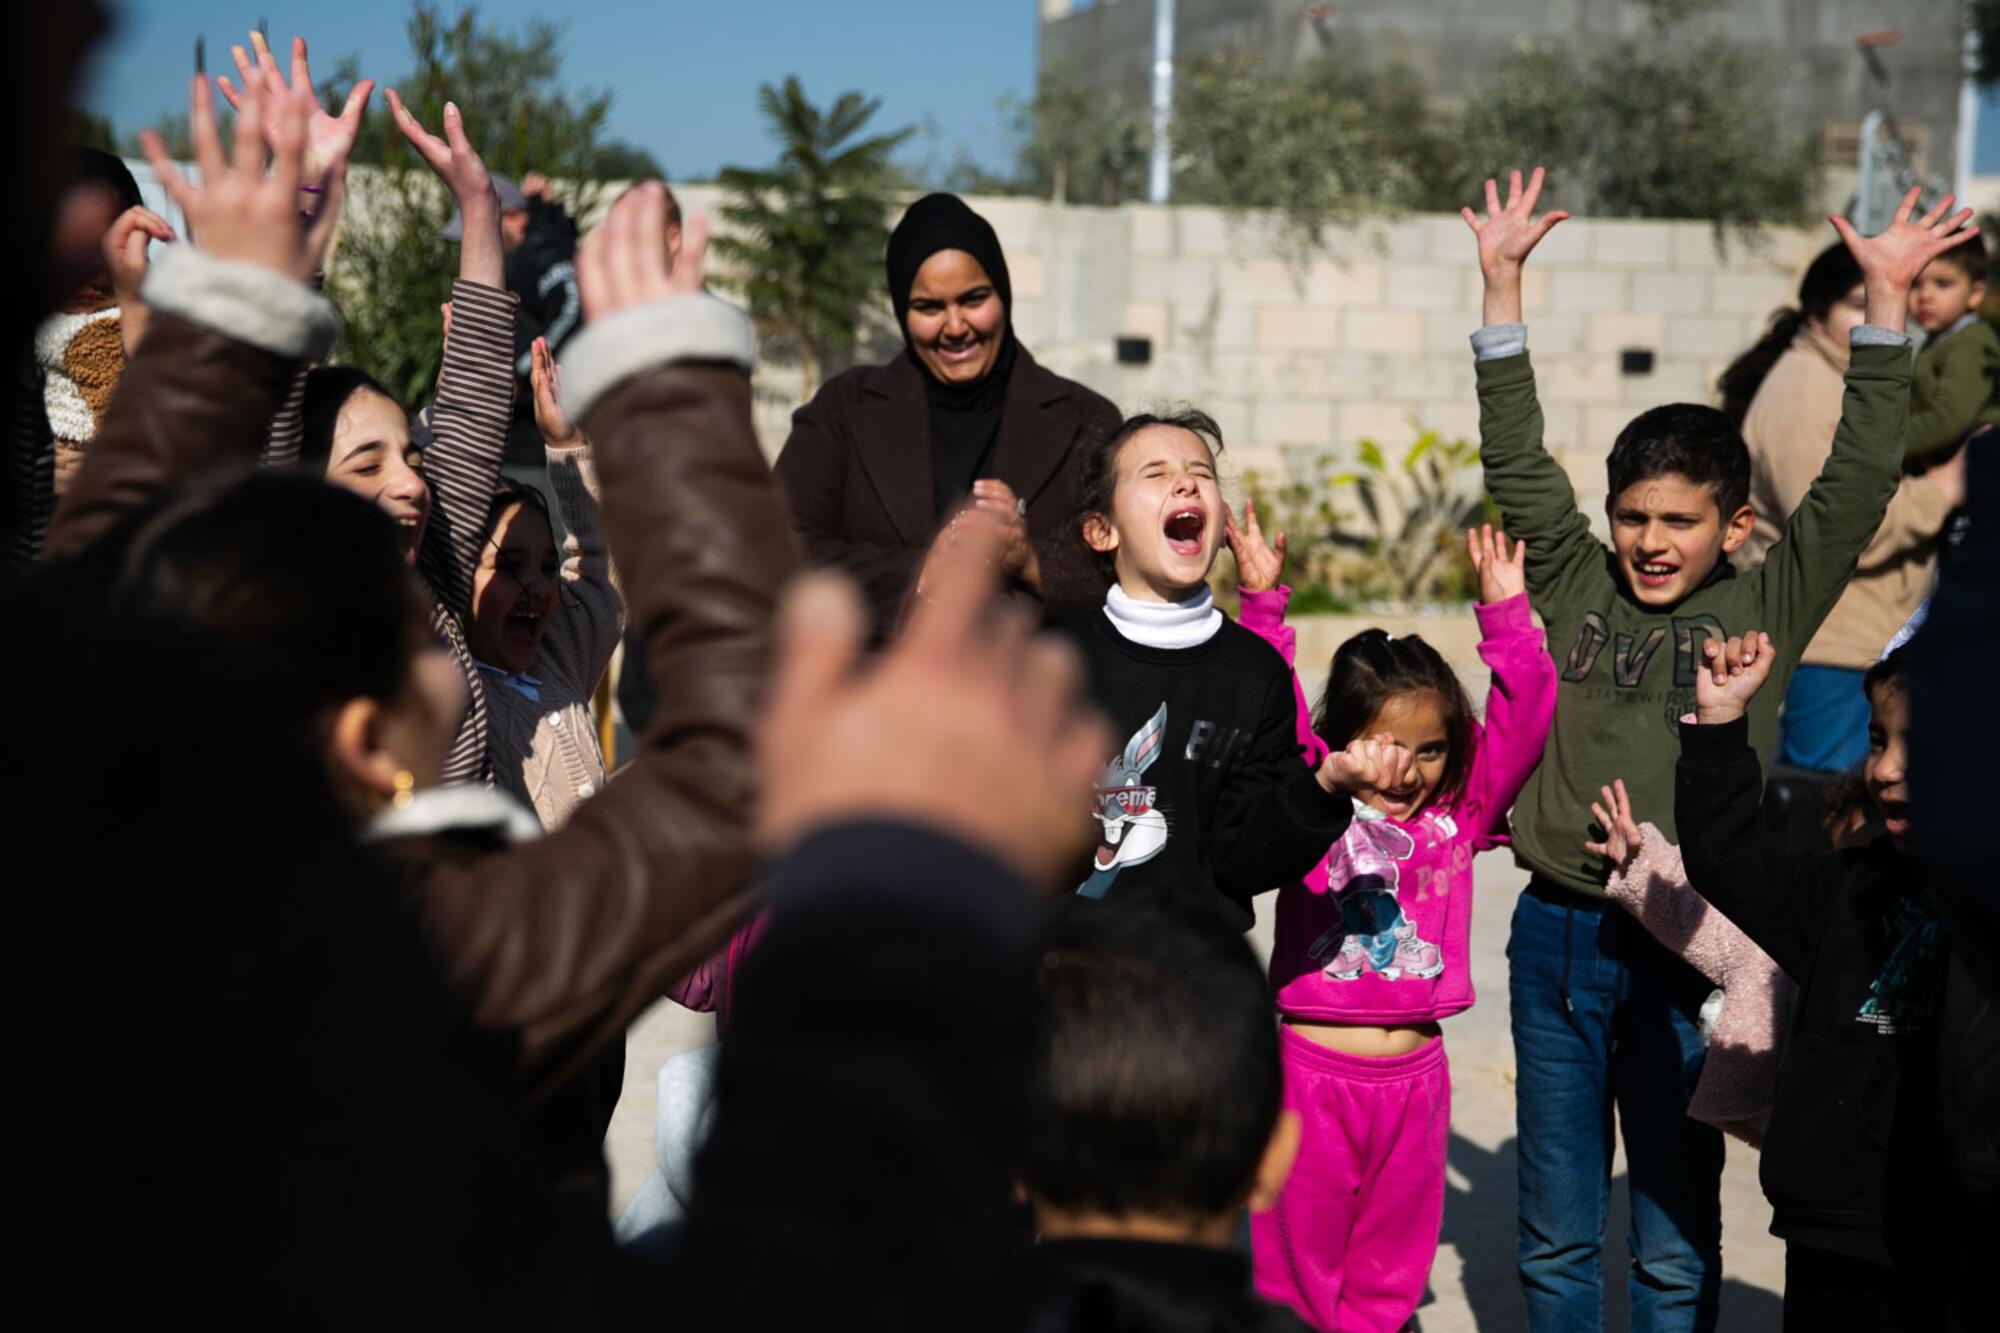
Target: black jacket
1954	732
1135	1286
870	1098
542	272
1847	1161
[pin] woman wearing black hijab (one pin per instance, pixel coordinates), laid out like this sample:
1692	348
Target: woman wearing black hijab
883	457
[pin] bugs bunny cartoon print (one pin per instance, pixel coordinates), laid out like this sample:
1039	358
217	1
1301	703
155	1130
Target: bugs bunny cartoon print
1134	832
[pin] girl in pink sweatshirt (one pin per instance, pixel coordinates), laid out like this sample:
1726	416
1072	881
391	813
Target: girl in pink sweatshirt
1371	948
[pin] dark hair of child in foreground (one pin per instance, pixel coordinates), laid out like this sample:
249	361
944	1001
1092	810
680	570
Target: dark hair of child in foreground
1154	1120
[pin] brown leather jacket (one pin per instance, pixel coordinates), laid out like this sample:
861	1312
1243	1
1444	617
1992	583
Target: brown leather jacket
560	941
185	407
566	938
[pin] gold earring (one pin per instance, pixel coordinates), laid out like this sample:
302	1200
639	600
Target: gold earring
406	782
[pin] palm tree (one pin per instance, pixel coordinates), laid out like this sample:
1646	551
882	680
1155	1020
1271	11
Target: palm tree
808	234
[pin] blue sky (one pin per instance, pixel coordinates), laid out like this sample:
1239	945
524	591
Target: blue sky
683	73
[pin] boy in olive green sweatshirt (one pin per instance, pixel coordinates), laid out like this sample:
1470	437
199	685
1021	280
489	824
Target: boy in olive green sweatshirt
1603	1016
1952	388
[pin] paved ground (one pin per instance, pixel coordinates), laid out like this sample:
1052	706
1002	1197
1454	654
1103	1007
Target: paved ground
1472	1285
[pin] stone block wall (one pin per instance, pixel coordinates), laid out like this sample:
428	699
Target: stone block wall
1367	337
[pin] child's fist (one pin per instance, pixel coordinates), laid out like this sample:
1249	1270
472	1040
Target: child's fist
1730	675
996	499
1501	576
1373	763
1259	566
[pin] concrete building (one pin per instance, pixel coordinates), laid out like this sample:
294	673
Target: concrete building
1454	44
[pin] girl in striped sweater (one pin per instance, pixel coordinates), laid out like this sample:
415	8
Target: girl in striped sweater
439	492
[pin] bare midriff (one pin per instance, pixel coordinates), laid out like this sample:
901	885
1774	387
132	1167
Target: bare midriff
1370	1043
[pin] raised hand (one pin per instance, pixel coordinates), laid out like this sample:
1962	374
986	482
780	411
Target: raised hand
1500	576
1622	835
454	159
457	163
967	723
238	212
623	261
1510	231
1369	763
329	138
996	500
546	379
1506	237
1891	261
125	257
1260	567
1729	676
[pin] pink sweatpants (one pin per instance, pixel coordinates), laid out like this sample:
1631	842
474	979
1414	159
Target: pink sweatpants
1350	1243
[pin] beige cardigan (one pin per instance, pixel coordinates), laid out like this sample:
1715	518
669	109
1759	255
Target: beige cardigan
1789	429
545	752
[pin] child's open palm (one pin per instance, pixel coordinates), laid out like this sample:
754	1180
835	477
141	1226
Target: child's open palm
1622	834
1730	675
1500	576
1899	253
239	211
546	379
1259	565
454	159
329	138
1509	233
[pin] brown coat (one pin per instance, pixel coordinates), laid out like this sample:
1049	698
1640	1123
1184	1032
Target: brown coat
857	473
559	942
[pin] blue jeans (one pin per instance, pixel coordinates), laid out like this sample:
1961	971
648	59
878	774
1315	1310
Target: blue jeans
1824	727
1605	1018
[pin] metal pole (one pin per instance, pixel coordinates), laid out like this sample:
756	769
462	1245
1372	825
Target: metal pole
1968	120
1158	182
1866	211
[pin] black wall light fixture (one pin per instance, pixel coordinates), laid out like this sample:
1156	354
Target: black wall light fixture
1135	351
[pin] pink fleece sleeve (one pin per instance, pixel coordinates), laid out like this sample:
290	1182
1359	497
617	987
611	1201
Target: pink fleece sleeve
701	990
710	988
1654	888
1519	707
1263	614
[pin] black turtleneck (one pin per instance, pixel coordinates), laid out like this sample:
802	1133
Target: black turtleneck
965	421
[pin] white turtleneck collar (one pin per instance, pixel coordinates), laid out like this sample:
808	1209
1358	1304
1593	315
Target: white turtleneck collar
1185	624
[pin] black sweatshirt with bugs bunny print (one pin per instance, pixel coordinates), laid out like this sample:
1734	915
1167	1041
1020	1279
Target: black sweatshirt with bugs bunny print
1207	800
